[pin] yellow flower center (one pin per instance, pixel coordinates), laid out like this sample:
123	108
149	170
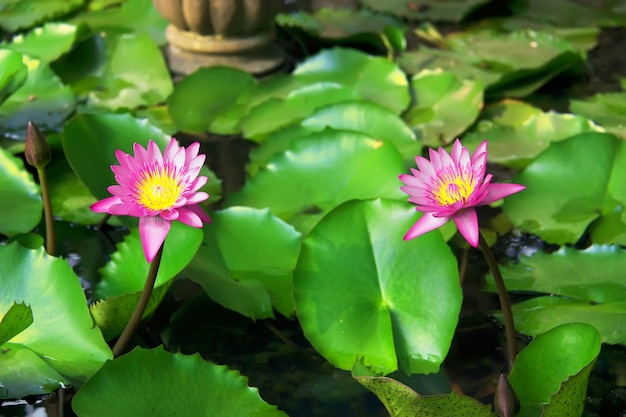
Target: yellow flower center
159	190
454	190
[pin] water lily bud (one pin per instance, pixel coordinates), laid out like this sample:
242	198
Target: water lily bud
505	402
37	150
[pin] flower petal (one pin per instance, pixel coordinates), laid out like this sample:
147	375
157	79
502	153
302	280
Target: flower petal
466	221
190	217
152	231
425	224
497	192
103	206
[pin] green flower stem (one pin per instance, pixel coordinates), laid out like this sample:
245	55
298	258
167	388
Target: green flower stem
135	319
505	303
47	211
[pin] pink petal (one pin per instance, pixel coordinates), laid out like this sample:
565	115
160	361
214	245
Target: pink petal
196	209
171	149
140	154
169	215
496	192
198	183
425	224
482	149
103	206
425	166
189	217
466	221
152	231
197	198
154	153
456	150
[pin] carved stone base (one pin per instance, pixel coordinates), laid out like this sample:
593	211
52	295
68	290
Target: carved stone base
255	54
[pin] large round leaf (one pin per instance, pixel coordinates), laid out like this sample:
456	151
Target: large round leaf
364	294
23	14
220	108
62	335
449	10
319	172
135	75
277	112
517	132
445	106
566	187
13	73
246	262
594	275
155	383
42	98
21	205
541	314
371	119
374	78
46	43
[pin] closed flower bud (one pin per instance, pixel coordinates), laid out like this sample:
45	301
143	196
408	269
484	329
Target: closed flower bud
37	150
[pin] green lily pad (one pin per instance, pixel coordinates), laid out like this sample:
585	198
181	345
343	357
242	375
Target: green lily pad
541	314
48	42
366	310
402	401
220	108
42	97
445	106
606	109
517	132
90	142
24	14
567	185
247	261
124	276
344	165
567	13
437	10
15	321
135	75
358	116
21	204
465	67
347	26
609	229
369	118
275	113
551	359
592	275
127	270
374	78
509	64
158	383
128	16
13	73
159	117
62	338
26	373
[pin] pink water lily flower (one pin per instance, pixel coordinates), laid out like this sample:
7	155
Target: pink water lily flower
448	187
157	188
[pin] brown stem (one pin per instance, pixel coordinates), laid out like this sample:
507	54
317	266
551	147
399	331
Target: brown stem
505	303
135	319
47	211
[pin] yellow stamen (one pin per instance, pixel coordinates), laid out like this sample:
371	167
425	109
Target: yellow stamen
159	190
454	190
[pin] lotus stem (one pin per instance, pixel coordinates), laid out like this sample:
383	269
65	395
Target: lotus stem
135	319
47	211
505	303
